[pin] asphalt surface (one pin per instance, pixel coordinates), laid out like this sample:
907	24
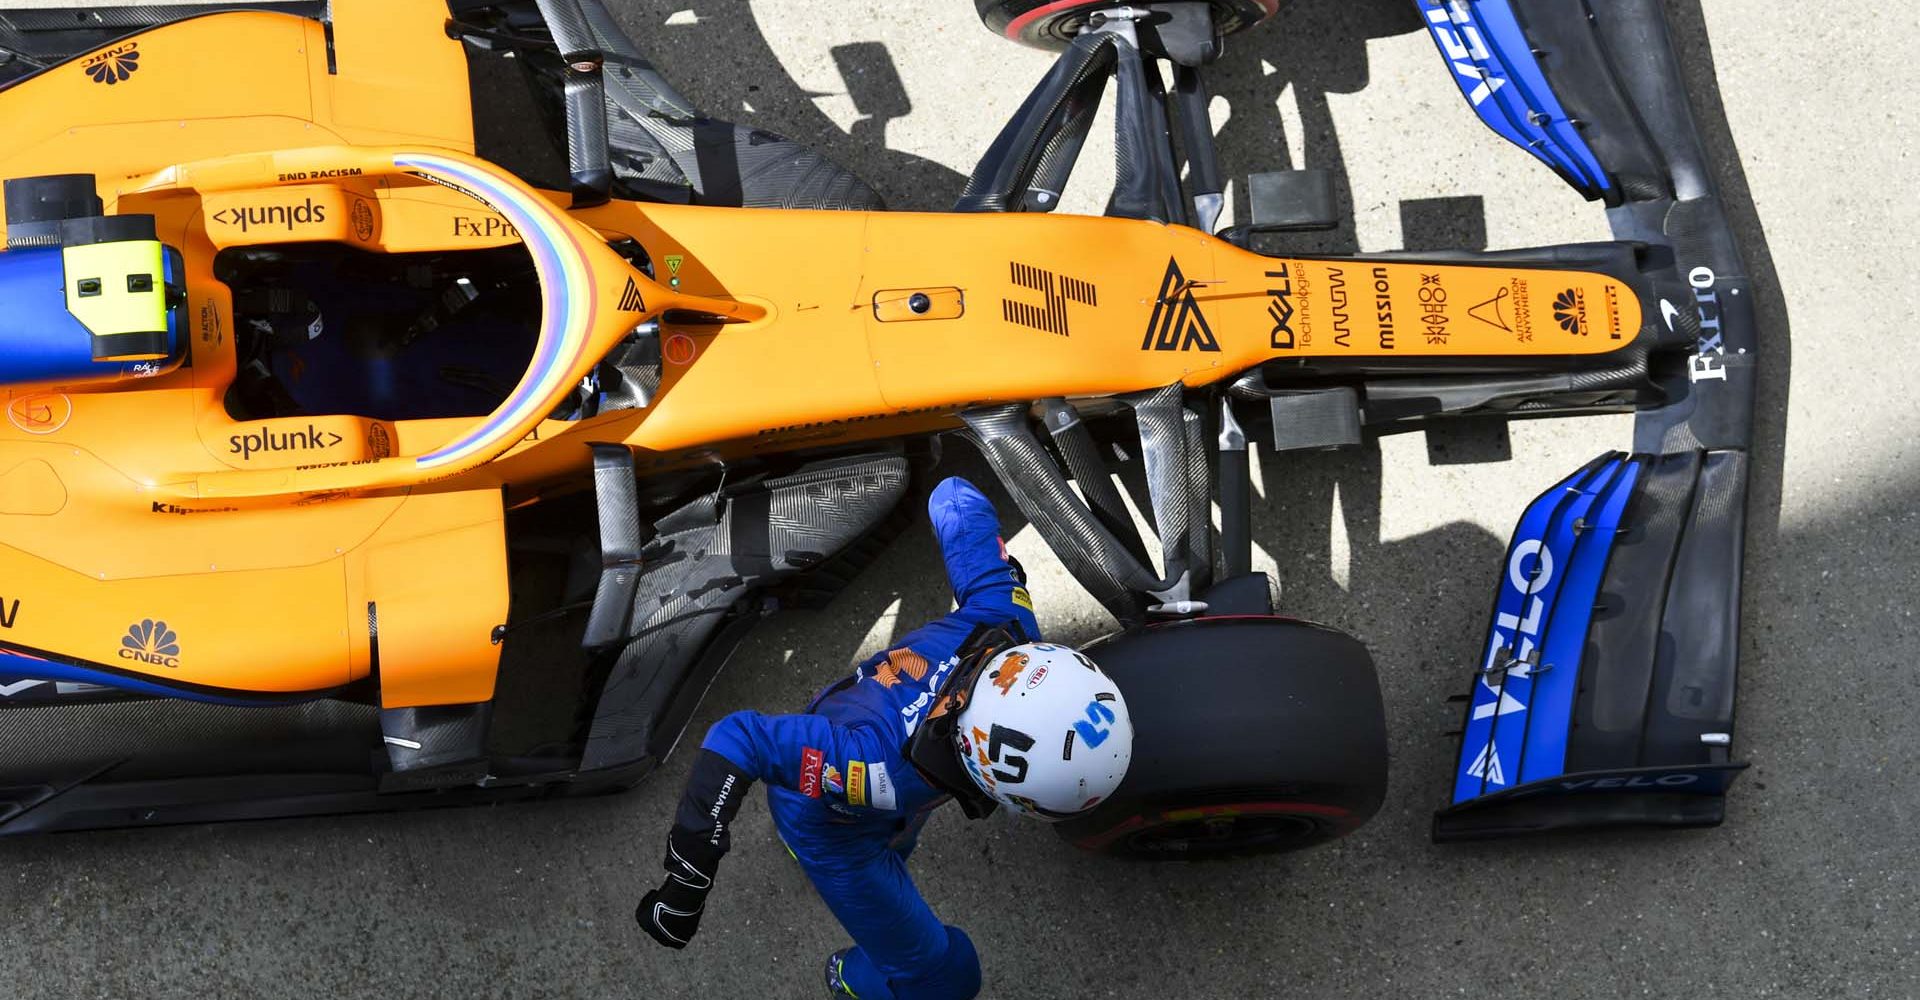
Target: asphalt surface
1809	890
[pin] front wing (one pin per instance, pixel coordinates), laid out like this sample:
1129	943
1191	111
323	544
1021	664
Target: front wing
1604	694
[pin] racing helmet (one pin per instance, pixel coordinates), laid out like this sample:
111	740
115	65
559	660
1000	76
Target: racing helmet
1044	732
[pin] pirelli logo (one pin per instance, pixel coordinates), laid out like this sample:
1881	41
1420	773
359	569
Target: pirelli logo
856	782
1056	290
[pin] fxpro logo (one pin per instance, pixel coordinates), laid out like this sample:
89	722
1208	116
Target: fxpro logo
1710	347
149	641
266	439
284	216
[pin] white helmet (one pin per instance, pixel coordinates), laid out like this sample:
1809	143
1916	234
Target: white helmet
1044	731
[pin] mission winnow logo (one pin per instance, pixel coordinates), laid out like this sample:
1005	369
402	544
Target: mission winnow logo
149	641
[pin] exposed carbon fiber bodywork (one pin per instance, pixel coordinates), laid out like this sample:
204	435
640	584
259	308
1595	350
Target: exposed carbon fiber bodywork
708	556
1028	163
1098	560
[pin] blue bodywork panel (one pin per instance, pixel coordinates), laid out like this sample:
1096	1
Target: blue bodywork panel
1496	70
1521	710
17	666
41	343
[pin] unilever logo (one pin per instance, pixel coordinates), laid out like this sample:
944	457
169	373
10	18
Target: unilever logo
149	641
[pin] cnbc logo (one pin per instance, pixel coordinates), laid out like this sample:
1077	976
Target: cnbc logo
149	641
114	65
1570	310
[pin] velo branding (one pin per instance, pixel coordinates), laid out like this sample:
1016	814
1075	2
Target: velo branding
1452	24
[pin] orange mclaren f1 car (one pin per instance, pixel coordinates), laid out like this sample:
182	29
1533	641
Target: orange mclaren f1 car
345	468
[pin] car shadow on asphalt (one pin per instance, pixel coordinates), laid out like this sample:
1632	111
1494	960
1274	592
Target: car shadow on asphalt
716	53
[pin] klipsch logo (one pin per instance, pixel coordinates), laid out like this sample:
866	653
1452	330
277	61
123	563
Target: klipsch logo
1177	323
114	65
149	641
1055	291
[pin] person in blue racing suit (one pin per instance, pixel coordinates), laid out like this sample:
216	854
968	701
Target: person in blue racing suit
844	796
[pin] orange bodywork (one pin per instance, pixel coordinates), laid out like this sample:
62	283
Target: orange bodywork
367	544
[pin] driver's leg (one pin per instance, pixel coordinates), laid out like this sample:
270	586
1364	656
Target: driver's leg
901	949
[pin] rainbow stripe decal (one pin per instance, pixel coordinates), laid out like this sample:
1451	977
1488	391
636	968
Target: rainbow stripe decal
568	303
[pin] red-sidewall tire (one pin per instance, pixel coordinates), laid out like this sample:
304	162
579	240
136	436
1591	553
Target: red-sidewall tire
1252	734
1051	24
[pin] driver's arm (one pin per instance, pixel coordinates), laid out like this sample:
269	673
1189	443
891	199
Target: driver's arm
786	750
987	585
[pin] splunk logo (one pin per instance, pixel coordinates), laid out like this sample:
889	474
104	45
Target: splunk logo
267	439
149	641
284	216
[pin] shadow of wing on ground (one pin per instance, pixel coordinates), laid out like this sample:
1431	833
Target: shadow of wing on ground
1314	48
716	53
